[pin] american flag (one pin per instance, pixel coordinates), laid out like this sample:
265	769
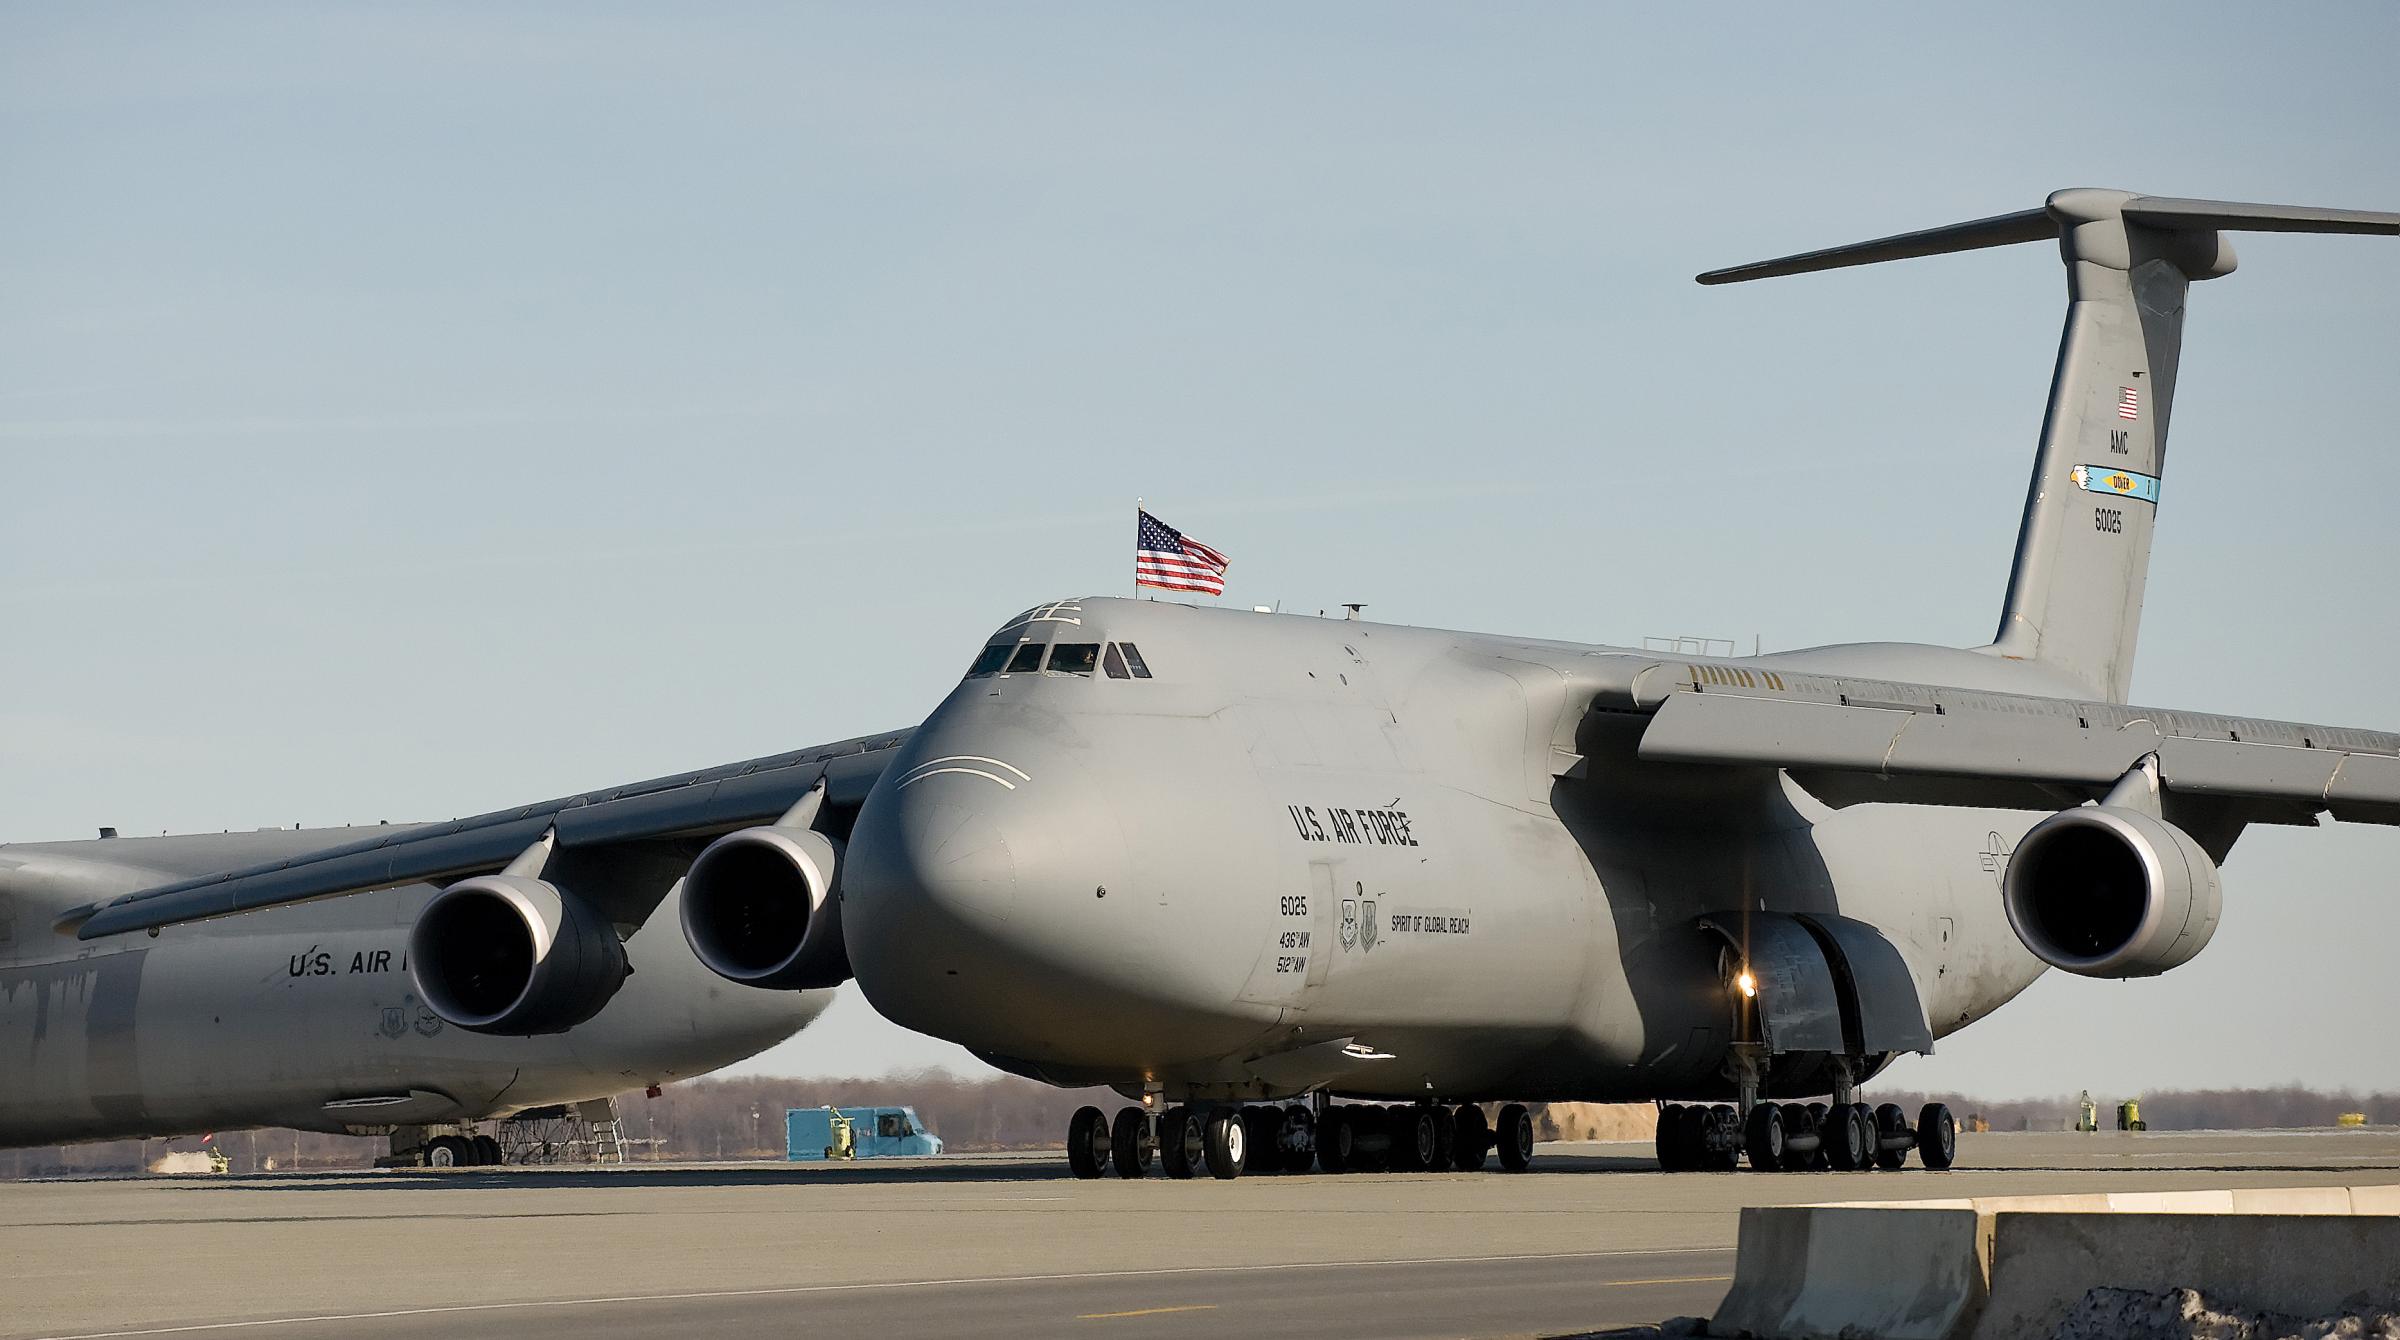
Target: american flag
2129	403
1165	558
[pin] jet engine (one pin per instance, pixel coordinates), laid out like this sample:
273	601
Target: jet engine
759	908
2111	892
513	955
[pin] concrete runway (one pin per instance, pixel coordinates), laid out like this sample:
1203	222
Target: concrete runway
1002	1246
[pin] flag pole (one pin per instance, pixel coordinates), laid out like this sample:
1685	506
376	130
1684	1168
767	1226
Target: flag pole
1137	547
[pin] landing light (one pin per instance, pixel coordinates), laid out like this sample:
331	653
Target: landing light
1747	983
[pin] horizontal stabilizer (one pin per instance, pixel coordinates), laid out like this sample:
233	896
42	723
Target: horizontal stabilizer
2234	217
2065	209
2001	230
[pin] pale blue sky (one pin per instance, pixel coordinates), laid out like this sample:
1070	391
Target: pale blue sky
412	410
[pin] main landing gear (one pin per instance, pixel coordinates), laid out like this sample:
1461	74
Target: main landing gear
1803	1137
1227	1140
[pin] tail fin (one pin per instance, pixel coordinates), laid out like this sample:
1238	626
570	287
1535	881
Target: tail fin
2075	594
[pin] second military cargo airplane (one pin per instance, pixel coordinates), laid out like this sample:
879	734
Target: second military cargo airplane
1224	860
308	1017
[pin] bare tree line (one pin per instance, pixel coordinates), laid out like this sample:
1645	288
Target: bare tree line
743	1118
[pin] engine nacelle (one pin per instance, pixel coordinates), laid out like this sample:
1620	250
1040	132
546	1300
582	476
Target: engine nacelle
516	956
2110	892
759	908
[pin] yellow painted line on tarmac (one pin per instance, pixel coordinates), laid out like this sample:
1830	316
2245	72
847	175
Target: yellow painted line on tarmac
1147	1312
1673	1279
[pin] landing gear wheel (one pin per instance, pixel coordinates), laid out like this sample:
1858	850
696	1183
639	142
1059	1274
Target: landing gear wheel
1796	1122
1721	1128
1300	1138
1179	1142
447	1151
1849	1145
487	1152
1228	1144
1414	1139
1516	1137
1129	1142
1473	1141
1937	1136
1762	1138
1264	1125
1087	1142
1670	1144
1445	1138
1818	1161
1336	1141
1890	1121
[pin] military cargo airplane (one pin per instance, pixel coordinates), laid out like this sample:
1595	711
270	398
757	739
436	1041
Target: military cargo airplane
1230	861
306	1016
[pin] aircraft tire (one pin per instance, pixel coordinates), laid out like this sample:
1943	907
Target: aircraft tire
1795	1122
1176	1145
1516	1137
1890	1121
1821	1159
447	1151
1264	1124
487	1152
1129	1147
1087	1142
1412	1139
1301	1126
1228	1138
1335	1141
1762	1138
1845	1142
1937	1137
1725	1155
1669	1144
1445	1137
1473	1143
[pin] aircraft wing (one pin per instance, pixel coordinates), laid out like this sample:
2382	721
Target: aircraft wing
633	840
1851	741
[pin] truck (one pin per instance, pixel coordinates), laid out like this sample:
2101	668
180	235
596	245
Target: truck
813	1134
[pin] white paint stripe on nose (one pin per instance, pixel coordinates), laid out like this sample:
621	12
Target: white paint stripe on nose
934	767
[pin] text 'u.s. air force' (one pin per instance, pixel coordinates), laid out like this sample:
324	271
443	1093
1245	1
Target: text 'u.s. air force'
1373	828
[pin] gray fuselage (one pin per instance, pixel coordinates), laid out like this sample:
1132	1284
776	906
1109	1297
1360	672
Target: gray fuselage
1392	861
305	1016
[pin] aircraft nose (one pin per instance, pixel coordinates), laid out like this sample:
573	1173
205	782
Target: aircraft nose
975	888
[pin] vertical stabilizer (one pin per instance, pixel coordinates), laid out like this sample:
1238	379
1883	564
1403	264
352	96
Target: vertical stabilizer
2083	555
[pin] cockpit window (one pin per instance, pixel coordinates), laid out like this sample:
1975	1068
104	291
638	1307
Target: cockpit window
1133	658
1075	658
1114	661
1028	658
990	659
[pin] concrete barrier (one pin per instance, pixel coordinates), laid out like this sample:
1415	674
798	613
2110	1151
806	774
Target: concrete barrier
1811	1270
2309	1264
2011	1266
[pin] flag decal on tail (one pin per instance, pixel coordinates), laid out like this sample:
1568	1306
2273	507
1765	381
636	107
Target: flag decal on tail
2120	483
2129	403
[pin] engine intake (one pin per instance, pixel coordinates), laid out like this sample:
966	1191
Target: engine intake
759	908
2111	892
515	956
